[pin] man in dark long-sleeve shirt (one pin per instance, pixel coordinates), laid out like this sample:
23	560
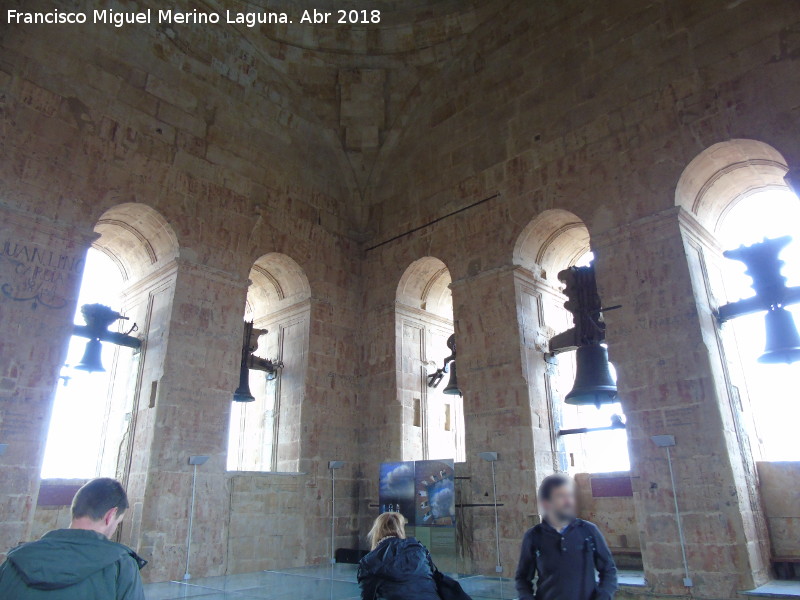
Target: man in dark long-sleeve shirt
563	551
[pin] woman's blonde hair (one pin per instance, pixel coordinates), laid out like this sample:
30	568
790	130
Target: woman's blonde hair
389	524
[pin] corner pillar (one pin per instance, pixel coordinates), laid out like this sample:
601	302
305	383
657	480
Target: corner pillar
41	267
665	345
189	415
503	375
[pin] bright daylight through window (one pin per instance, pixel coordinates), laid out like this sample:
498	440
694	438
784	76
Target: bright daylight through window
772	388
598	451
84	435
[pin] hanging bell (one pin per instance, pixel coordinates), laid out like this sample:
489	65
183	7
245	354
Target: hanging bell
452	388
594	383
91	360
783	340
242	393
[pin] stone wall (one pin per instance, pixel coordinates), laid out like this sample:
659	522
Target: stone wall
267	525
139	116
596	111
48	518
267	521
780	490
53	505
40	271
606	499
612	510
238	141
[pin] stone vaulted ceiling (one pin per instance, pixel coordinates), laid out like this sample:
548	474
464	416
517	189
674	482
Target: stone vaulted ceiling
359	81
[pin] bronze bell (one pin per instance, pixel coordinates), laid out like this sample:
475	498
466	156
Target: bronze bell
242	393
91	360
452	388
594	383
783	340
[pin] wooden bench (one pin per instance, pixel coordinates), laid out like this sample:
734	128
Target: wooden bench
626	551
784	568
627	558
349	555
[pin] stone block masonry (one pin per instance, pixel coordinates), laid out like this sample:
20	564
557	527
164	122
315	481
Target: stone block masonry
319	142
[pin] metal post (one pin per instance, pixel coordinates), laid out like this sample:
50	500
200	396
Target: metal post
687	581
491	457
194	461
186	575
333	530
333	516
667	441
333	465
499	567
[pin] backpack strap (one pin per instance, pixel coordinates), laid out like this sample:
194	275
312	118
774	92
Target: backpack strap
536	538
140	562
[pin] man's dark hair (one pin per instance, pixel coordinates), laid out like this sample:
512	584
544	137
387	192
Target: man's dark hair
552	482
97	497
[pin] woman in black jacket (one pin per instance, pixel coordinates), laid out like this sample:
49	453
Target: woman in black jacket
398	568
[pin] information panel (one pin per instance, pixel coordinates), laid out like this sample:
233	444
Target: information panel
422	491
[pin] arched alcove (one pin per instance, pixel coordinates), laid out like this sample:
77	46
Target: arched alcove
277	282
265	435
554	240
134	242
737	191
137	237
433	422
725	173
425	285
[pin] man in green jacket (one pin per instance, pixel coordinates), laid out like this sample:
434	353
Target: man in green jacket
79	563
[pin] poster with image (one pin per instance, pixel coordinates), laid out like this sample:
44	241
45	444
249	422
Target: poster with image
435	493
396	490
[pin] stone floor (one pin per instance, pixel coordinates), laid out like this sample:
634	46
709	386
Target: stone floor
339	583
777	589
318	583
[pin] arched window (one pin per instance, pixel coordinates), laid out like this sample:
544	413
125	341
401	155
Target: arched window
433	422
552	242
265	435
736	189
91	427
83	424
766	214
